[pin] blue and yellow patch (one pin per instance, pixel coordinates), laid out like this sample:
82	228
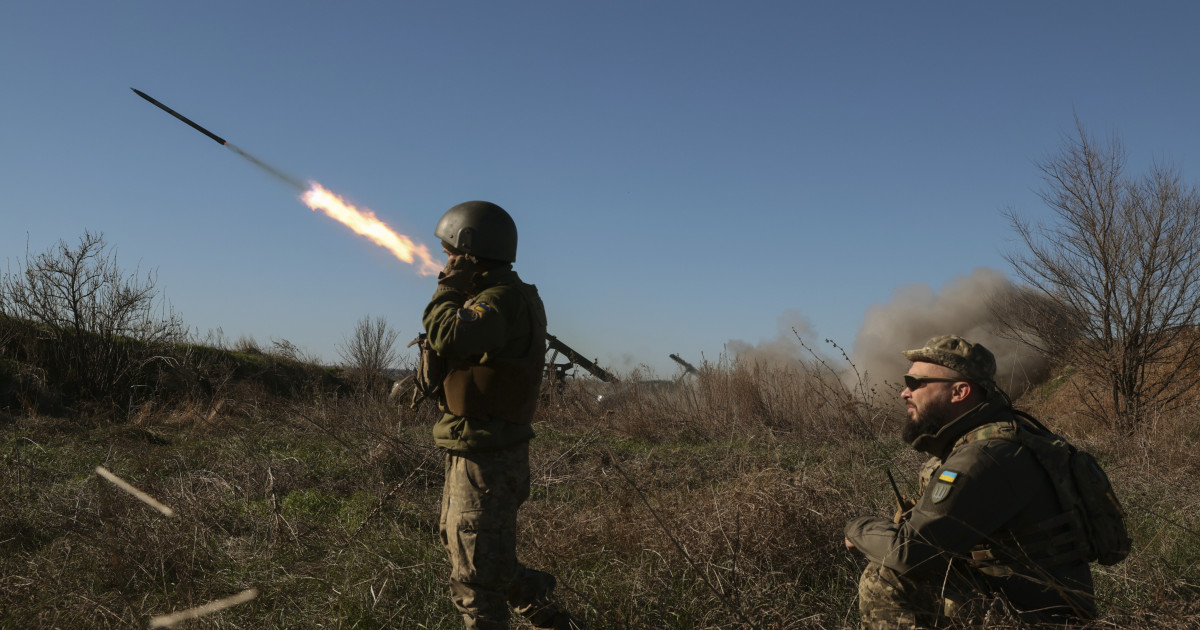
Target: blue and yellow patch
474	312
945	483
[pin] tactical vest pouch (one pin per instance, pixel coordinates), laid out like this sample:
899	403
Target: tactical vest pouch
501	389
431	371
1056	541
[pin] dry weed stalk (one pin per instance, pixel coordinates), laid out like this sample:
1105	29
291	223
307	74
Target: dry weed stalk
166	621
138	494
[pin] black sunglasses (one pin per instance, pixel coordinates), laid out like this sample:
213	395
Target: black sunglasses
914	382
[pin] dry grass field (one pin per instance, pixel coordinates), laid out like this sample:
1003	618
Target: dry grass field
719	504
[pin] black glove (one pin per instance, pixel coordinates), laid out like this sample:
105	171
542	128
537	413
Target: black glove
459	274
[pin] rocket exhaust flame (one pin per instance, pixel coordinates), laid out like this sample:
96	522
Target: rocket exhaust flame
365	223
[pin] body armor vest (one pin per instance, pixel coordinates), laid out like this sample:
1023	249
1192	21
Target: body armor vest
503	388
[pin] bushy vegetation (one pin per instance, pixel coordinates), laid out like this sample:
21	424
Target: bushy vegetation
716	504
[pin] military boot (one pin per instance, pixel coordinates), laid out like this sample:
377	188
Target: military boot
560	620
532	598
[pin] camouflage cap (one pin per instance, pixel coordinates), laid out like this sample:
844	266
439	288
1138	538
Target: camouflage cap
972	360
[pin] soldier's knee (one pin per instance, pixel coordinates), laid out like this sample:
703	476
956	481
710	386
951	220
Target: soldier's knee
880	584
887	601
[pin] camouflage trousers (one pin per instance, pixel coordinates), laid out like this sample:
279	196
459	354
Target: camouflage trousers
890	601
478	527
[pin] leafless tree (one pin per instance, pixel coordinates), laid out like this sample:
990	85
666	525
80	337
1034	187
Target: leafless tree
97	326
371	351
1113	285
1039	320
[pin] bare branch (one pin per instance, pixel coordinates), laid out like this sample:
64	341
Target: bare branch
1111	286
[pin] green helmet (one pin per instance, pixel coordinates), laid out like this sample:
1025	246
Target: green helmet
479	228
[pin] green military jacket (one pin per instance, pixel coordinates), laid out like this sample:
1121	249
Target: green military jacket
494	324
989	493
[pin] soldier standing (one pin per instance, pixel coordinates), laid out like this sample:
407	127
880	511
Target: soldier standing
488	329
988	529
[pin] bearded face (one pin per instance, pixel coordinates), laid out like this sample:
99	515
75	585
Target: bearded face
928	416
927	394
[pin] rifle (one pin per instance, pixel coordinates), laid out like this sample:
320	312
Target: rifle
428	377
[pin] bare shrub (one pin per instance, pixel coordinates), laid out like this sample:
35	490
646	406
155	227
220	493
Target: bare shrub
370	353
97	326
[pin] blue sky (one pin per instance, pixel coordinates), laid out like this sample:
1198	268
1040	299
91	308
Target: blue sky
682	174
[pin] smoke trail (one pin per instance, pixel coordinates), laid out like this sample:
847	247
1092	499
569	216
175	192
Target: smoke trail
290	181
916	313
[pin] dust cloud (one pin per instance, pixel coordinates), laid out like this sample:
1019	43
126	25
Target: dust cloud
912	316
783	351
916	313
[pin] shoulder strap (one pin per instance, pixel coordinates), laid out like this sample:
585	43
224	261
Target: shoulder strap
1034	421
1004	429
537	316
537	320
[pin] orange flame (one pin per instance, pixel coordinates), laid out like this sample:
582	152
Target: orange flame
365	222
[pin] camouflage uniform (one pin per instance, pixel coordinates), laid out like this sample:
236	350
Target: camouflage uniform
986	534
487	453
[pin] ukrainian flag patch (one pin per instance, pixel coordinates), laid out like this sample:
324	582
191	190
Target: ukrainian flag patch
474	312
945	483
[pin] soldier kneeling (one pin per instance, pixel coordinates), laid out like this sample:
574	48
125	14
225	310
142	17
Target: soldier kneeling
990	534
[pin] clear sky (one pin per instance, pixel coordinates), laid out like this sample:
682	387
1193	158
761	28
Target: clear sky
682	174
